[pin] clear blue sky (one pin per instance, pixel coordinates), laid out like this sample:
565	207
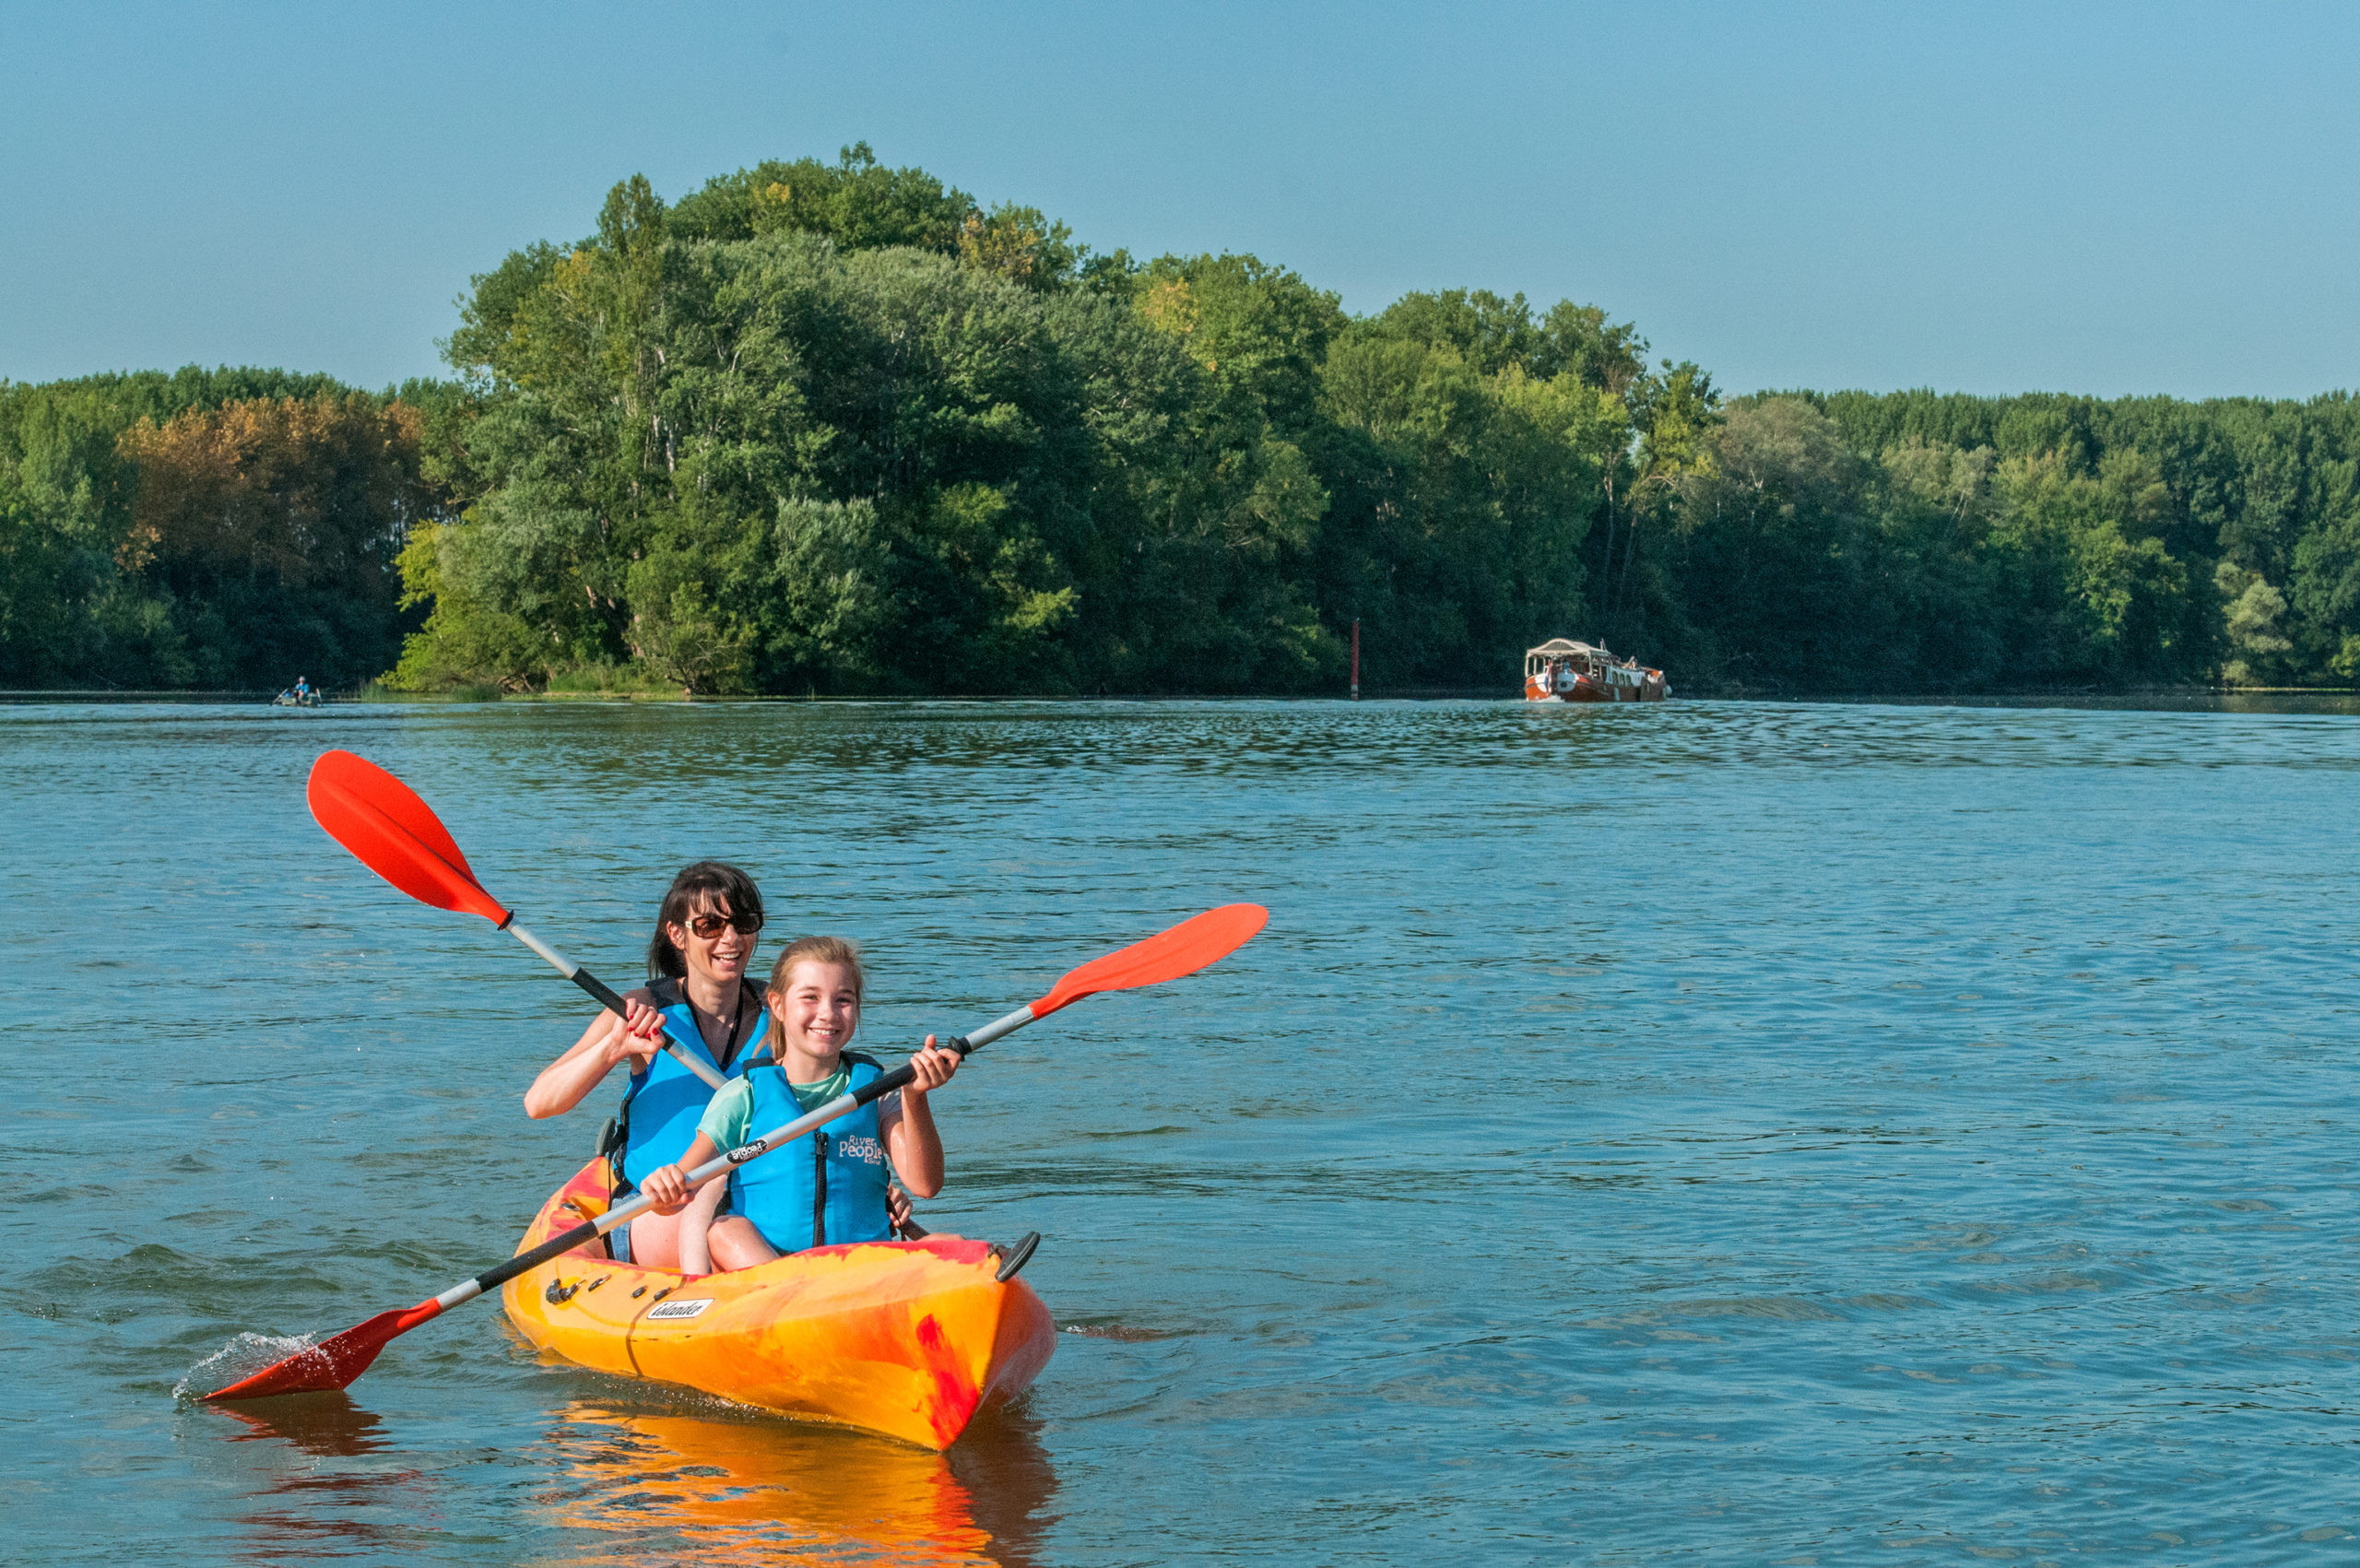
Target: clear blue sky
2096	198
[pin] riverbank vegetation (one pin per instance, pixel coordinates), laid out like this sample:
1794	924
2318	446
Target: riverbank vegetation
835	427
206	529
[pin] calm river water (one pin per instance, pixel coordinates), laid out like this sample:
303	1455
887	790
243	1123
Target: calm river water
1713	1133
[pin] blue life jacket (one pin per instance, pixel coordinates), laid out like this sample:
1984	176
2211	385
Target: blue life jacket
827	1194
664	1103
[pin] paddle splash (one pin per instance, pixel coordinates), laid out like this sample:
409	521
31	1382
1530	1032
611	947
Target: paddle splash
240	1358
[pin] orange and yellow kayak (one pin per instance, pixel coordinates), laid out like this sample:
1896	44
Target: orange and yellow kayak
909	1339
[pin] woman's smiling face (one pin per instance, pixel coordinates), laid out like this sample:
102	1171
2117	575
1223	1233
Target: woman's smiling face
820	1008
723	955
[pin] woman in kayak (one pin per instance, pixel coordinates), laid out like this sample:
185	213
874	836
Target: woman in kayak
705	938
832	1185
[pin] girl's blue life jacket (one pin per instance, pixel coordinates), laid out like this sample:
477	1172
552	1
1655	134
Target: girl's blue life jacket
825	1194
664	1103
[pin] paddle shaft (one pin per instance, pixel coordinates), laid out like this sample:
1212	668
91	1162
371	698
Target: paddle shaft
605	998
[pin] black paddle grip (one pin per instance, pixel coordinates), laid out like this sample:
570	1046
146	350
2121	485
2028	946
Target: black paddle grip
599	991
885	1084
608	999
556	1246
904	1074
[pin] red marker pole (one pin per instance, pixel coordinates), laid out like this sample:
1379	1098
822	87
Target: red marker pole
1356	661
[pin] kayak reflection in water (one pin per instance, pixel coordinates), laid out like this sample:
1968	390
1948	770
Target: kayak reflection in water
837	1189
648	1480
705	935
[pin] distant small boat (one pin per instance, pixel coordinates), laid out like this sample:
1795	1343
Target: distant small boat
1561	670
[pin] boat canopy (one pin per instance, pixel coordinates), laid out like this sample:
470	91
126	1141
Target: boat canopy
1560	647
1575	653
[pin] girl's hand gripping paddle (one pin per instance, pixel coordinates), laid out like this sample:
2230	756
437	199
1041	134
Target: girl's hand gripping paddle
1186	948
392	831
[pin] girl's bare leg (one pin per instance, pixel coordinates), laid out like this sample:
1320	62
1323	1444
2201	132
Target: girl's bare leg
696	1221
654	1241
736	1243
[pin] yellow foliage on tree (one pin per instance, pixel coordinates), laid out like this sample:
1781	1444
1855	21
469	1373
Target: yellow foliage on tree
301	491
1018	244
1168	305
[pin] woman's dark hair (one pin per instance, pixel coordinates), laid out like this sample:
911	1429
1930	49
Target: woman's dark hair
707	881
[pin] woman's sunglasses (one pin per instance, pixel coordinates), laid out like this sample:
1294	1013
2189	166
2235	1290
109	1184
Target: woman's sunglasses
708	926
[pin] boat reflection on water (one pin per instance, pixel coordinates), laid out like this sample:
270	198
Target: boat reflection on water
720	1485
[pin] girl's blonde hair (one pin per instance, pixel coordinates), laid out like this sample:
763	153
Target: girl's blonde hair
818	949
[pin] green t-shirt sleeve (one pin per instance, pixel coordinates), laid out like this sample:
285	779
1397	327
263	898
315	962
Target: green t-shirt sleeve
728	1118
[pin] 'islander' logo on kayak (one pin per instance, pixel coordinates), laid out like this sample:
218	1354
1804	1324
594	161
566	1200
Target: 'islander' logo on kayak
861	1146
679	1309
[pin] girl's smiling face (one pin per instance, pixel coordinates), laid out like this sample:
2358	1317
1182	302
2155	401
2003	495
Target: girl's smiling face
819	1010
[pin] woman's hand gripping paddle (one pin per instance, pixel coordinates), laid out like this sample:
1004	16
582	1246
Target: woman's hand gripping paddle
335	1362
395	834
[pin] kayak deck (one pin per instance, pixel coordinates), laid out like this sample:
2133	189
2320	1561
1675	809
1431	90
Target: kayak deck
908	1338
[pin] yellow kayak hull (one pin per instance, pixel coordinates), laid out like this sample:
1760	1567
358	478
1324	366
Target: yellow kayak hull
909	1339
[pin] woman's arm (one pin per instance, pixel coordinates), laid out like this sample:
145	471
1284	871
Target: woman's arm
609	1039
910	1138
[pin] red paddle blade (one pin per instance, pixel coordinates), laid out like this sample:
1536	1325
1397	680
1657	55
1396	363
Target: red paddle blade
1194	944
392	831
331	1364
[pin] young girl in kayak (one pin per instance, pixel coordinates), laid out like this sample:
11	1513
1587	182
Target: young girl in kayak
830	1186
705	938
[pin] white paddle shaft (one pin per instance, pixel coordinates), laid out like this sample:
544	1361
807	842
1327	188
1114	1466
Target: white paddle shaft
997	1029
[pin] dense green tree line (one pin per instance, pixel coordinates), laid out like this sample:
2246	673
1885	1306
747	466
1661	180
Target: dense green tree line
206	529
1917	541
836	426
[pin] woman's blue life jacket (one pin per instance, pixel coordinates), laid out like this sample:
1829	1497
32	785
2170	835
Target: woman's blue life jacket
664	1103
825	1194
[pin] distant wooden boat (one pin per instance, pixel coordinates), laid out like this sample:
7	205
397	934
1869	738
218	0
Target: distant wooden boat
1561	670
